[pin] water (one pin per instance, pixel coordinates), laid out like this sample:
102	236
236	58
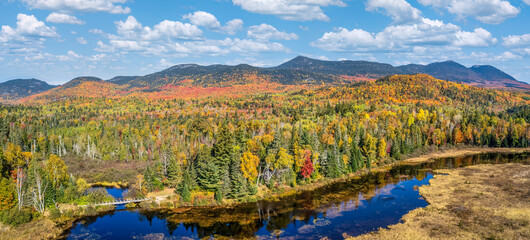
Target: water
349	208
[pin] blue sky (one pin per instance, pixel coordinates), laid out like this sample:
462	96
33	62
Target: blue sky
57	40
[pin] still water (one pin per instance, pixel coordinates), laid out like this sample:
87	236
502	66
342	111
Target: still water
349	208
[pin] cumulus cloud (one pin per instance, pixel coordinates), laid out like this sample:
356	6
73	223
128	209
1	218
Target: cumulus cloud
486	11
266	32
516	40
81	40
527	1
399	10
132	29
208	20
232	26
180	39
63	18
28	28
109	6
201	18
426	32
298	10
478	38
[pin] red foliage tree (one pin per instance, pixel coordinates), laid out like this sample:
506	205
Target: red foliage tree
307	169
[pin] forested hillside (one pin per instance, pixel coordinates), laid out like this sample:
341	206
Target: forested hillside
237	146
16	89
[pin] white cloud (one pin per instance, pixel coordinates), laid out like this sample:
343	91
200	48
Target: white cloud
28	28
132	29
516	40
478	38
63	18
426	32
81	40
266	32
233	26
247	45
486	11
80	5
507	56
208	20
201	18
399	10
298	10
527	1
159	40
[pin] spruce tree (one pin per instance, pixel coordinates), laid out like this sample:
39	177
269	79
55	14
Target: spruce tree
222	149
207	171
238	186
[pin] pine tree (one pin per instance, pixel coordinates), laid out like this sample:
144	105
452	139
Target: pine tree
356	161
222	149
238	186
207	171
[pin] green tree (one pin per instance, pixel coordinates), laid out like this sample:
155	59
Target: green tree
7	194
207	171
222	149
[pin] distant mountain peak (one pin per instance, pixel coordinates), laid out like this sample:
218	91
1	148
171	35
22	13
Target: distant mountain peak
79	80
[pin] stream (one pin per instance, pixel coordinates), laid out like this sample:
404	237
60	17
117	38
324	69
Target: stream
350	208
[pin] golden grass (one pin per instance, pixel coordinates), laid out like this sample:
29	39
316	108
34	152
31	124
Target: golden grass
477	202
460	153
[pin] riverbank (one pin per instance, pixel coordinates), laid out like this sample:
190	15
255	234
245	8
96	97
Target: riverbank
476	202
460	153
34	229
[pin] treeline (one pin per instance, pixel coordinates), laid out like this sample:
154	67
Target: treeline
236	146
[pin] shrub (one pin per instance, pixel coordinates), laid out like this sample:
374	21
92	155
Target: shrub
55	213
15	217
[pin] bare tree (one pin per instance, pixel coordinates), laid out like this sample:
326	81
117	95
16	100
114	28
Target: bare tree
19	186
38	191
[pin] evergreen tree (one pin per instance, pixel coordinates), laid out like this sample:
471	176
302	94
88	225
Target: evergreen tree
238	186
222	149
207	171
356	161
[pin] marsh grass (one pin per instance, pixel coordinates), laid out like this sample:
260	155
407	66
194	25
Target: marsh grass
477	202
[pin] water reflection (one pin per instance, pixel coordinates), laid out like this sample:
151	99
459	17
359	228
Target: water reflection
353	207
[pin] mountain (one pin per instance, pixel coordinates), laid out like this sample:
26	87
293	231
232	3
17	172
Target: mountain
80	87
301	72
20	88
122	79
481	76
346	67
224	75
304	70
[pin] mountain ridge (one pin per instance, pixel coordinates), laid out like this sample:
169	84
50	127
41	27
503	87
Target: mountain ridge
297	71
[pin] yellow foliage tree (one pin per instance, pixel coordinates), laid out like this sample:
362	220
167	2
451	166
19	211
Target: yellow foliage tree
249	166
57	170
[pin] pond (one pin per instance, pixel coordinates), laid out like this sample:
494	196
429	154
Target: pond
349	208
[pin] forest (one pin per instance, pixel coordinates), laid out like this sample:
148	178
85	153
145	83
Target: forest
235	147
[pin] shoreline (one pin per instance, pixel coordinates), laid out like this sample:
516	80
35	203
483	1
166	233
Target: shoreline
64	224
468	203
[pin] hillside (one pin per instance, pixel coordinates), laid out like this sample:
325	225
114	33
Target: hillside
121	79
223	75
304	70
422	88
192	80
80	87
13	90
481	76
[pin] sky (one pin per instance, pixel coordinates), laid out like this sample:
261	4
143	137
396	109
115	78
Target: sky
58	40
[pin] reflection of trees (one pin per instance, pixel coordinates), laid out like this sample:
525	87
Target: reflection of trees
244	220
